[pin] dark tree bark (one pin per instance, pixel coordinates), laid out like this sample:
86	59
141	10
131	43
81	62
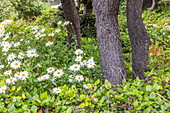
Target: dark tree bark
78	5
88	8
139	38
108	37
71	14
147	3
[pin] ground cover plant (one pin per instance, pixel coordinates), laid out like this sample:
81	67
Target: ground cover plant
40	74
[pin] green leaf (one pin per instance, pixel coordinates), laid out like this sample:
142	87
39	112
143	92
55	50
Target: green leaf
152	95
69	110
34	109
123	81
119	90
14	99
82	97
97	82
135	104
96	111
140	97
107	85
24	107
43	95
102	100
81	105
163	107
148	88
23	96
168	93
19	88
13	88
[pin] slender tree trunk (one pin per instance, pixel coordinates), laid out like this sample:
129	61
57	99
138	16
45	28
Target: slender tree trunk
139	38
71	14
88	9
108	37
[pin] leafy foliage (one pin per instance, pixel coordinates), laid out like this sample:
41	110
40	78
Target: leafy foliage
86	93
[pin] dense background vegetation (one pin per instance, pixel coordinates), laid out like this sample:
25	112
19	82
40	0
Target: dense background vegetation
34	26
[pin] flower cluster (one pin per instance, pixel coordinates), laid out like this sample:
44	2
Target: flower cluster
20	61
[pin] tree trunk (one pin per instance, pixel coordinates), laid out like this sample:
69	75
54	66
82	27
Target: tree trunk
108	37
71	14
88	9
139	38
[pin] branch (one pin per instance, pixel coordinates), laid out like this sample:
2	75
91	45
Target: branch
153	5
162	97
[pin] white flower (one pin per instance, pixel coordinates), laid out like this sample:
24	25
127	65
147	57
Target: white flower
91	65
58	73
74	67
38	65
50	70
44	77
23	75
90	60
11	57
78	51
2	66
57	30
3	43
49	43
15	64
36	55
31	53
40	79
9	72
42	30
56	90
52	79
11	80
16	44
35	27
3	88
6	37
21	40
66	22
78	58
85	86
6	47
71	77
1	34
79	78
21	55
51	34
60	22
17	75
70	80
83	63
38	34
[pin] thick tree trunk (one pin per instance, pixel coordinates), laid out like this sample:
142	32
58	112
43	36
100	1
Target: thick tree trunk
139	38
71	14
88	9
108	37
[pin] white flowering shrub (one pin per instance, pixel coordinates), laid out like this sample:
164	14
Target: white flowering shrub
37	59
